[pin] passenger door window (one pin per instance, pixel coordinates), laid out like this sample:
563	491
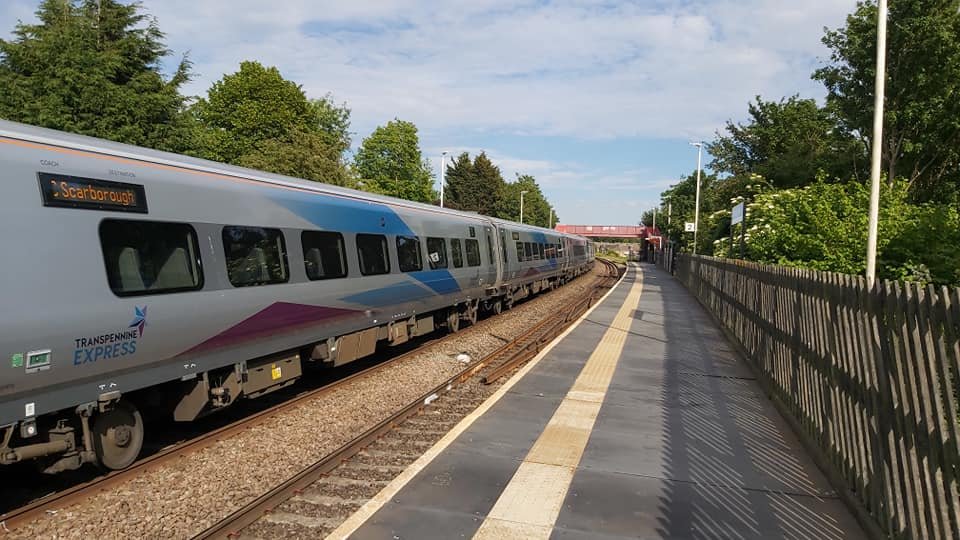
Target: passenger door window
473	252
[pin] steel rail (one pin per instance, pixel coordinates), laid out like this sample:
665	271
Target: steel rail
232	525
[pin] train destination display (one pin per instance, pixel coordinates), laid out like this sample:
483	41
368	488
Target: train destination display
76	192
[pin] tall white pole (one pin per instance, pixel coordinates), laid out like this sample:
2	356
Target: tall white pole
669	212
551	218
443	171
696	215
877	142
654	219
521	206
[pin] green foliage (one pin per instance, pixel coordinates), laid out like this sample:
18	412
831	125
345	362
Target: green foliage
681	198
477	186
789	143
256	118
536	208
92	67
390	162
922	98
824	227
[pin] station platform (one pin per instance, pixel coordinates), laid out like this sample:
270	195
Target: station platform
641	422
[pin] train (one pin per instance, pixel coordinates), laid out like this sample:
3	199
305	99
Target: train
137	281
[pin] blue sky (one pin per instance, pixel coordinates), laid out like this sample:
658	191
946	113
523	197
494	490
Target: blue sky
596	99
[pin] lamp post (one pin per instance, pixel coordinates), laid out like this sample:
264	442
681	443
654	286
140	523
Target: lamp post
696	214
443	170
521	206
551	218
877	141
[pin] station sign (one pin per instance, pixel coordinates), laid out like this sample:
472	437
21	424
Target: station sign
736	215
689	227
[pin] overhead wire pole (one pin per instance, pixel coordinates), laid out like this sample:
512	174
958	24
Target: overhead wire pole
877	141
696	214
443	170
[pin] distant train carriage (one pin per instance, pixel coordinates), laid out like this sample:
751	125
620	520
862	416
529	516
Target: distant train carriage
147	280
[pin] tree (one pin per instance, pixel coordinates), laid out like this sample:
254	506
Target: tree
921	139
390	162
682	200
256	118
536	208
789	143
476	186
93	67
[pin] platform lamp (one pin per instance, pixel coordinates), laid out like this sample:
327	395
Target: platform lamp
696	212
443	171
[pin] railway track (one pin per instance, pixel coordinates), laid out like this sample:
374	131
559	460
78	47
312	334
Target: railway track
316	500
518	349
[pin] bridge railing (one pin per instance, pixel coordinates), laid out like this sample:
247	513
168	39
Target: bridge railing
870	376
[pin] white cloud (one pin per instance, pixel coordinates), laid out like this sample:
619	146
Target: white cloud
578	68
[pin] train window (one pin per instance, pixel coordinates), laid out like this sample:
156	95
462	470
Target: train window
150	257
473	252
456	252
527	251
255	256
408	253
324	255
473	232
503	246
372	251
437	253
489	248
542	251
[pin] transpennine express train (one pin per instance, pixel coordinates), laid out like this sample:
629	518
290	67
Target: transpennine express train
137	280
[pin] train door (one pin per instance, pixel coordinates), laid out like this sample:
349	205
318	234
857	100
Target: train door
492	269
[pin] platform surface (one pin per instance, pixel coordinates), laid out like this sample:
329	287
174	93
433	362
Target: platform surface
641	423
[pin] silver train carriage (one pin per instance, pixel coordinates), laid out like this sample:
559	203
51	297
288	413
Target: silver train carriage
141	280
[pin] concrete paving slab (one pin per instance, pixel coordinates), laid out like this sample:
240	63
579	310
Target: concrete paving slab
629	506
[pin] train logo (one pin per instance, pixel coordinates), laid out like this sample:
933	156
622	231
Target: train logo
112	344
139	319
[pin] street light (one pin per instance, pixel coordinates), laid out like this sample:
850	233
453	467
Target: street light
521	206
877	141
696	215
443	170
551	218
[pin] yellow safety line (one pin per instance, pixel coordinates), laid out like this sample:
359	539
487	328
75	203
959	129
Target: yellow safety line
389	491
531	502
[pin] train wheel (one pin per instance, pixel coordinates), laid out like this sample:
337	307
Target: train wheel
498	307
118	435
473	311
453	321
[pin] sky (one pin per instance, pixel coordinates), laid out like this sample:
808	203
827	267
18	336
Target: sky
597	100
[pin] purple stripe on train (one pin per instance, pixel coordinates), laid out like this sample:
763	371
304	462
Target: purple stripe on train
278	317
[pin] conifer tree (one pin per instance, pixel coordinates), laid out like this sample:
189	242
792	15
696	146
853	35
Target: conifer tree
93	67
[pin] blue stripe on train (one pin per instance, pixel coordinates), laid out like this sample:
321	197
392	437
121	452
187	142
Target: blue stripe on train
348	215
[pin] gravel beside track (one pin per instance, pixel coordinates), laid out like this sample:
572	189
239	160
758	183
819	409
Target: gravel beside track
184	497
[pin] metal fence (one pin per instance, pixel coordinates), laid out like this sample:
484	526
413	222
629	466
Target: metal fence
869	374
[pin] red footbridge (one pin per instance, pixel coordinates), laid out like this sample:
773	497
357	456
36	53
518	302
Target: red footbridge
642	232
